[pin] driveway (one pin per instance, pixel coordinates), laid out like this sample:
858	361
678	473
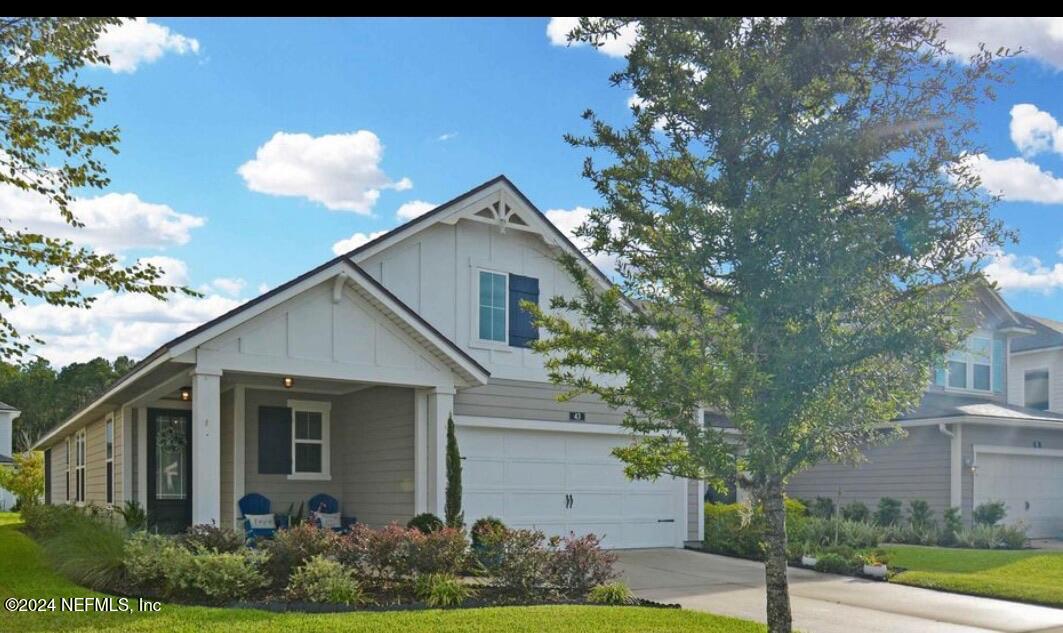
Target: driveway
822	603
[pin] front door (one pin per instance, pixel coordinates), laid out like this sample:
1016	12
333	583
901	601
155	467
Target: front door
169	470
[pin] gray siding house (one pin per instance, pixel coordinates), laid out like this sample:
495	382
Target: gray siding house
989	428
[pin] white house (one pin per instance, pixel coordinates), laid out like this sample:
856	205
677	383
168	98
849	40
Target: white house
8	414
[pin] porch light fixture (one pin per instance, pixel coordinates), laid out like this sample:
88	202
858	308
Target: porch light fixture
288	381
186	394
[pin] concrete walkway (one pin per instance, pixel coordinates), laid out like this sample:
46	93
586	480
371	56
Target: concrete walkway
822	603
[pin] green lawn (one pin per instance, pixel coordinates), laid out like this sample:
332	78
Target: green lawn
1034	576
24	574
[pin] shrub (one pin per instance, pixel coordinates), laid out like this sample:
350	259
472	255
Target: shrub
856	511
325	581
614	593
822	507
133	515
44	521
889	512
989	513
736	529
519	561
425	522
211	537
215	578
89	551
915	534
24	477
482	526
146	560
821	533
442	552
832	563
440	591
982	536
380	554
579	563
290	548
920	515
953	524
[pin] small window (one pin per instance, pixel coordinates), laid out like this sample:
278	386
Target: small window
110	462
492	306
79	467
1035	389
310	439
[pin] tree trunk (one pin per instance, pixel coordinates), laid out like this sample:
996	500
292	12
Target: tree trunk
778	589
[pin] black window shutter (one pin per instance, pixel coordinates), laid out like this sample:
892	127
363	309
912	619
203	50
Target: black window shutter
274	441
48	476
521	329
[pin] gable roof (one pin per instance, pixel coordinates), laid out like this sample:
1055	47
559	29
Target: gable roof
350	259
1047	333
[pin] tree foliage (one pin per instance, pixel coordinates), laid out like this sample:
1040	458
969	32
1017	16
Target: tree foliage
25	477
455	518
47	396
794	216
50	145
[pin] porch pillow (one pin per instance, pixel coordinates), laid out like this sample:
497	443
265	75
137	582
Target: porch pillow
261	521
329	520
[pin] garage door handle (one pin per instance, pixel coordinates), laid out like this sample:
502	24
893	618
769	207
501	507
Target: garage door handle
666	520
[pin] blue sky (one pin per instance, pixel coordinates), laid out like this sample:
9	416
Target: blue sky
239	135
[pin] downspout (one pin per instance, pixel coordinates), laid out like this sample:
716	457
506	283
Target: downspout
945	431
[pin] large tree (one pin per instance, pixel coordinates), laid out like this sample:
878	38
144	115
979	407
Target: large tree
795	231
50	144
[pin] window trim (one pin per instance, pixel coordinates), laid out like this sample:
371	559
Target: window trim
969	364
502	345
108	454
325	409
69	441
1048	374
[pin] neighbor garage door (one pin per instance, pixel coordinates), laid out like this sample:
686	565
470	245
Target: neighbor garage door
1030	485
561	482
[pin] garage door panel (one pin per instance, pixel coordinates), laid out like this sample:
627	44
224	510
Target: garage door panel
1028	484
525	478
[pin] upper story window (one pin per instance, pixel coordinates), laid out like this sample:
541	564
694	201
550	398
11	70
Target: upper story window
500	317
1035	389
977	366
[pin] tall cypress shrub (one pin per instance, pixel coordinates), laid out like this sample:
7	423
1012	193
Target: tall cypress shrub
454	516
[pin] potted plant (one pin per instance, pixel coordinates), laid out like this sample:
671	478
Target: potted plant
875	565
810	556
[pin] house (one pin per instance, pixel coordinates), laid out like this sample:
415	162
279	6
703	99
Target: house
342	379
990	427
8	414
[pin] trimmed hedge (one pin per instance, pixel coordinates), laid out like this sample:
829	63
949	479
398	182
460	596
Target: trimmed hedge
733	529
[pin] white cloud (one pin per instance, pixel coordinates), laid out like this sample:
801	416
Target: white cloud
340	171
557	31
447	136
1017	179
139	41
568	220
231	286
1040	38
349	244
113	221
1034	131
263	288
1014	272
414	209
115	324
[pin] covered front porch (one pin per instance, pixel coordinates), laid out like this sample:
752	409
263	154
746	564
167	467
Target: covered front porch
332	388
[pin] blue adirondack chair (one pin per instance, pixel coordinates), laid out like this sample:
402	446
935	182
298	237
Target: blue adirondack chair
329	505
255	503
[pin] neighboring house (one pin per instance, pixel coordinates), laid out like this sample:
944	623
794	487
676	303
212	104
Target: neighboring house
341	381
8	414
990	427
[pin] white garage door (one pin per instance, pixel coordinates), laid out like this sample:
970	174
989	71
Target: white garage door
562	482
1030	485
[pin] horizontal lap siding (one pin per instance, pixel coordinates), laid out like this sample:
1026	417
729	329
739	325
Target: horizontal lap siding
119	458
281	491
95	463
377	428
915	467
526	400
59	472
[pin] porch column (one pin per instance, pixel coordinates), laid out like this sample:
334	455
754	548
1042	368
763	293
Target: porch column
440	407
206	446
